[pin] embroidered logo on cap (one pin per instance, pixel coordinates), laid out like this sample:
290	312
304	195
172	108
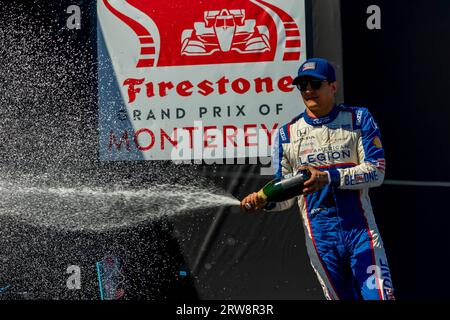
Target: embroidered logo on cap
309	66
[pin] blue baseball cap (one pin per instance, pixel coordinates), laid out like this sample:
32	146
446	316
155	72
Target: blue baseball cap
316	68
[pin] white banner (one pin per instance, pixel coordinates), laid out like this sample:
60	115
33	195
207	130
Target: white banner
197	79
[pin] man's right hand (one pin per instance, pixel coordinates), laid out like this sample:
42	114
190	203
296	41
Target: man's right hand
252	202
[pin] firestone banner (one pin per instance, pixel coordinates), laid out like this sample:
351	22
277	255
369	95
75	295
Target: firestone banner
197	79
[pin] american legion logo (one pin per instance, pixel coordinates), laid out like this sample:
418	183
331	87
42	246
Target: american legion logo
196	79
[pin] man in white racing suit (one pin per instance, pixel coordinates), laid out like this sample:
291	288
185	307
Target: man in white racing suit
341	146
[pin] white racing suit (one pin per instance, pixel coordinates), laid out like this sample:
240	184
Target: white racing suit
342	238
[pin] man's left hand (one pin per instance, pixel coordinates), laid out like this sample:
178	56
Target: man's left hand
317	181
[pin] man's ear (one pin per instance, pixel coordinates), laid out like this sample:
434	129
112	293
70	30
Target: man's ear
334	86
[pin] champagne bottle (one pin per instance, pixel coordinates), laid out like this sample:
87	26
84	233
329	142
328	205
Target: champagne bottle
281	189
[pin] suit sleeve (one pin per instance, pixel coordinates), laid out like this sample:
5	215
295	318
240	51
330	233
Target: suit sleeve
282	168
370	170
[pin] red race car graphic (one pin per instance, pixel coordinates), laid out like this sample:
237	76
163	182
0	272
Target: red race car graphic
225	30
196	32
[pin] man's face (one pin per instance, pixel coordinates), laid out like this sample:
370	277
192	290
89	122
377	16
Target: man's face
320	98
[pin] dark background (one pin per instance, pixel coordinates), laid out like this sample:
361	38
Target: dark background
398	72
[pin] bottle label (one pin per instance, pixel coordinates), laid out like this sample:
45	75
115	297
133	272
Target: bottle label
262	195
